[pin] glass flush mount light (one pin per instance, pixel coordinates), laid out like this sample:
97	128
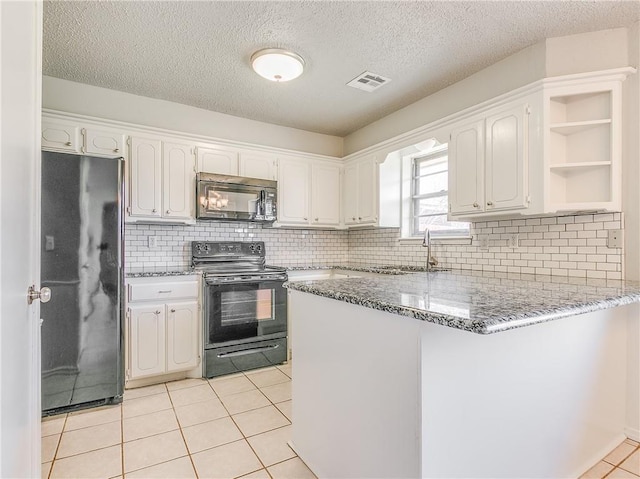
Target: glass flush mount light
277	65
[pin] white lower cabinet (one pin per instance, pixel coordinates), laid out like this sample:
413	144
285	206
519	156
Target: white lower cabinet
163	326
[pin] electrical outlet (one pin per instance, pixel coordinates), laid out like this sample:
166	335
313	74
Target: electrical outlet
514	240
615	239
483	242
152	242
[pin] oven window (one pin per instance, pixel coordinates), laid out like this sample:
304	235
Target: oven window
246	306
222	200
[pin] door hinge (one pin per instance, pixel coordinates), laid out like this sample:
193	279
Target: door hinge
129	209
528	110
528	198
449	207
199	360
129	140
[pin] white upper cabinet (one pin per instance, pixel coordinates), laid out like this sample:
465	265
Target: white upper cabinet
178	180
360	192
162	181
60	136
488	163
145	175
466	175
258	165
103	142
325	194
217	160
293	191
309	192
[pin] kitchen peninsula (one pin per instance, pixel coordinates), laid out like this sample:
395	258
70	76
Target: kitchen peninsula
435	374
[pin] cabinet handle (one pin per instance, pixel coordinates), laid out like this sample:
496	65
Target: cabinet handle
154	210
68	143
475	204
305	219
116	150
165	291
316	219
173	310
168	212
359	217
489	203
353	218
157	312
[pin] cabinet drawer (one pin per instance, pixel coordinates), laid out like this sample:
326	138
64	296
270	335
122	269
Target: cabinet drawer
162	291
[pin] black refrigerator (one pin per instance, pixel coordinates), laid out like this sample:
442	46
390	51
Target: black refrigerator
81	262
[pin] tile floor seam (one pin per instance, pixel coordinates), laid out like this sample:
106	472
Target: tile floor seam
184	440
623	459
55	454
122	437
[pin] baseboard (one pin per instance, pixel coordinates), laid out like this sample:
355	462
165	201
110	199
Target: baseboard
632	433
311	467
597	457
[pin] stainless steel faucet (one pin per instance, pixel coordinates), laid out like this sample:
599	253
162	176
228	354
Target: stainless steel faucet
431	261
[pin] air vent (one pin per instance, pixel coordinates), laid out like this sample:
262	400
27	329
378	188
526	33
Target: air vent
368	81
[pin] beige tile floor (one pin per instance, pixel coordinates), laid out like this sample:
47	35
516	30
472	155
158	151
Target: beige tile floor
621	463
230	427
234	426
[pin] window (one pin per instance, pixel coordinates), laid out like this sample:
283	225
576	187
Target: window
429	195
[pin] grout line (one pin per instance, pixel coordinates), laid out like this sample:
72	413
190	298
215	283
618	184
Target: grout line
186	446
122	438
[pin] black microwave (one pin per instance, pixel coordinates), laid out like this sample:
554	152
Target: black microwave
228	198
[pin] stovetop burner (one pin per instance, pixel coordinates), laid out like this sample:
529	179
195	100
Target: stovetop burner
229	258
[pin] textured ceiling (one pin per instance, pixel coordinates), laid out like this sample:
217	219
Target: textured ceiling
197	53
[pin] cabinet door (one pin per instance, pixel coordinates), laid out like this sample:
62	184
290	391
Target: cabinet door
325	194
293	192
350	194
183	348
145	177
221	162
466	166
146	340
254	165
60	137
506	160
368	191
104	143
178	180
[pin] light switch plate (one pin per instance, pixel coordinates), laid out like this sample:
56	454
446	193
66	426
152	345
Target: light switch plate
615	239
514	240
483	242
152	242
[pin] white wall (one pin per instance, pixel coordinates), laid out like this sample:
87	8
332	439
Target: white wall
72	97
555	56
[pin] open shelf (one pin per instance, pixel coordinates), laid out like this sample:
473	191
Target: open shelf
571	128
580	108
586	184
583	164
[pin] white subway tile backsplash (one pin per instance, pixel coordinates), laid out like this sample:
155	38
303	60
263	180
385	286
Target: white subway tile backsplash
564	245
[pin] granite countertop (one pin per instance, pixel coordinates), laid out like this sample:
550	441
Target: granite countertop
482	303
391	270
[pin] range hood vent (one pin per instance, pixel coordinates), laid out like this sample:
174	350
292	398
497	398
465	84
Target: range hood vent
368	81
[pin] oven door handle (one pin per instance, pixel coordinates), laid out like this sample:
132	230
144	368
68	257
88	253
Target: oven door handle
245	281
248	351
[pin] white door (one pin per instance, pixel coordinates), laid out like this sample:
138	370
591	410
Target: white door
368	191
104	143
466	169
505	159
178	180
293	192
221	162
350	194
182	336
60	137
325	194
20	74
145	175
147	333
253	165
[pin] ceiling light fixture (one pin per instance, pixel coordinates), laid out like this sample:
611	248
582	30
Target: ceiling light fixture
277	65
